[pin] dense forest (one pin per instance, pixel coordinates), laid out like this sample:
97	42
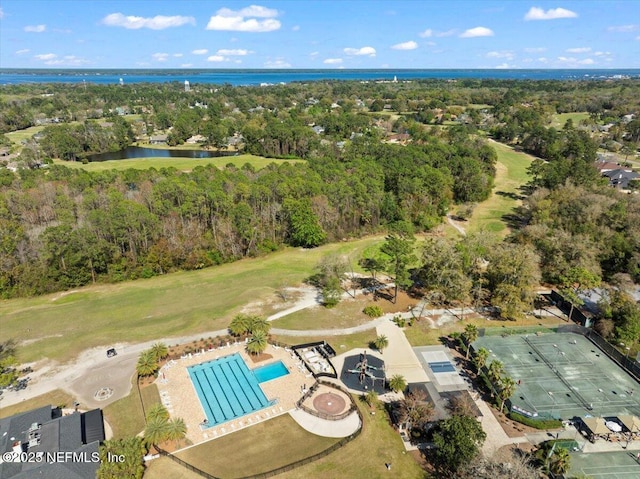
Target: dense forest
63	228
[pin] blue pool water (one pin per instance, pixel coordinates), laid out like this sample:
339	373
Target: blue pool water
227	389
270	371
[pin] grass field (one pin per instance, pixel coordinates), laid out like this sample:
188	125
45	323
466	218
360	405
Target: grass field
559	119
171	305
165	468
183	164
511	174
340	343
17	136
365	456
260	448
54	398
125	415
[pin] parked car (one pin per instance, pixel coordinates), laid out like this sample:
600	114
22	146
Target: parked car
111	352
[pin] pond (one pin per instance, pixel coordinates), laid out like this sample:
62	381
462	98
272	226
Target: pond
132	152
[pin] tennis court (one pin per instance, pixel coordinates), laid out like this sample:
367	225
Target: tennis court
562	375
605	465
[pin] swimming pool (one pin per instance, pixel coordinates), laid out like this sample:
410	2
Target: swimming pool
270	371
228	389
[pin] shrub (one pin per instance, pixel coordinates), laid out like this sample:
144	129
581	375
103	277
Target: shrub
536	423
373	311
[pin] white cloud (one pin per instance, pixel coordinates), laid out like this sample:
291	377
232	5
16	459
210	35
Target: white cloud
477	32
432	44
251	11
623	28
35	28
602	54
410	45
200	51
46	56
535	50
314	54
23	51
177	55
509	55
578	50
186	65
503	66
159	22
160	57
217	58
536	13
277	63
237	52
332	61
1	13
245	20
543	60
638	37
370	51
295	28
426	34
575	61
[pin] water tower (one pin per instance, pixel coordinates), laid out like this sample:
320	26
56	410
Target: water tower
187	87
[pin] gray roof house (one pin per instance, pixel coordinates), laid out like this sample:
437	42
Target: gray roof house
67	445
621	178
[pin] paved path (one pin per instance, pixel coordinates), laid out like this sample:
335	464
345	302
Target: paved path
398	356
323	427
455	224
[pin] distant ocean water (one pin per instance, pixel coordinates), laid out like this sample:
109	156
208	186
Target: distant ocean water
259	77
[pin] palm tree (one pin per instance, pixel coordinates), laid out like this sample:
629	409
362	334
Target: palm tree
240	324
561	461
257	343
397	383
470	335
160	351
176	429
381	342
508	387
371	398
496	369
258	323
157	412
147	363
480	358
155	431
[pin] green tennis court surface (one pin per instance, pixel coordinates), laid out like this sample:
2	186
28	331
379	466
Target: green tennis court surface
562	375
605	465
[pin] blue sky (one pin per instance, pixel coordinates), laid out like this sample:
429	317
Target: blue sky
319	34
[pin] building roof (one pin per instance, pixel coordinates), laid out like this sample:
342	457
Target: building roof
49	432
620	178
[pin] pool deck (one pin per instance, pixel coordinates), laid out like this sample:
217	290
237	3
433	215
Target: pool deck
179	395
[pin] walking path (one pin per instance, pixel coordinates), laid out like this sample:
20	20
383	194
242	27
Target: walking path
324	427
398	356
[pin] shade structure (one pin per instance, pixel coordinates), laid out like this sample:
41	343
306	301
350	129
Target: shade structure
596	425
632	423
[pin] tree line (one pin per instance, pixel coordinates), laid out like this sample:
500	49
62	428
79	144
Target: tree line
63	228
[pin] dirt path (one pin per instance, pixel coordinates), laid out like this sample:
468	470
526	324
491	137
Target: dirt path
456	225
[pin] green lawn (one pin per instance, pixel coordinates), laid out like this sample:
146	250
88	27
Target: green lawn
17	136
346	314
259	448
165	468
64	324
184	164
54	398
125	415
511	174
559	119
339	343
365	456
